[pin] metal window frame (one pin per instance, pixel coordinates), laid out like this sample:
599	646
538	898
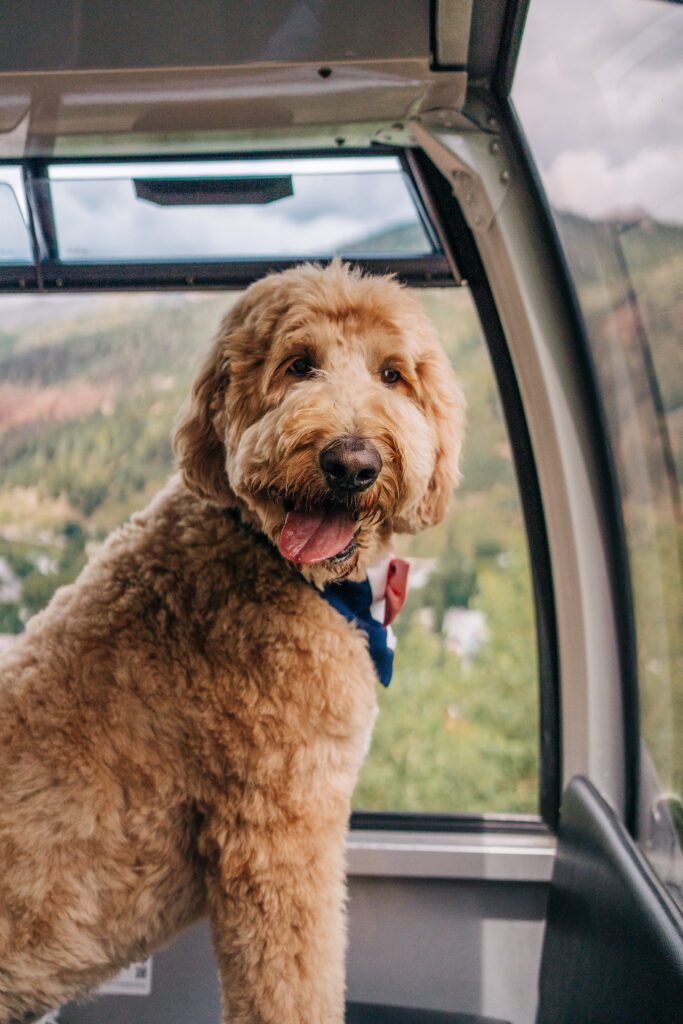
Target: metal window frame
513	232
491	855
50	274
503	110
615	535
459	240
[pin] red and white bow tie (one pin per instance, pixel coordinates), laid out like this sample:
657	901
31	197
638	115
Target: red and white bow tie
389	584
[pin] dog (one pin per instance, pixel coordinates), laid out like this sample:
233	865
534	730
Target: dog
181	729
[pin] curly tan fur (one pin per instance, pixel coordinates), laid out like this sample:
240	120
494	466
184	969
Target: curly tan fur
181	729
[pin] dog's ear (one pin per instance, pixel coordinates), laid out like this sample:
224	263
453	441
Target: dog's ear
198	440
443	403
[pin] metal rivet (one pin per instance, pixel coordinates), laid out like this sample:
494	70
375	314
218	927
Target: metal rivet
492	121
505	177
478	221
494	147
469	198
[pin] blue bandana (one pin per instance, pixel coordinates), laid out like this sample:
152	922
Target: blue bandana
353	601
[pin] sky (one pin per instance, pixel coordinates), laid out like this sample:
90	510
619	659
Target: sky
105	219
599	90
98	215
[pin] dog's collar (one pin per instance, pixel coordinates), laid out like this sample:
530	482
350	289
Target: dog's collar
372	605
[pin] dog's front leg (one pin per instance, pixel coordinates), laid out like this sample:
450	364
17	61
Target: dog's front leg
277	907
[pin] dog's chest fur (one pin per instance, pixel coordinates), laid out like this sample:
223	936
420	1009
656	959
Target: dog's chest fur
193	617
188	690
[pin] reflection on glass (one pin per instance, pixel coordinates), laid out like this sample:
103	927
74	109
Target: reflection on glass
336	206
598	90
15	246
88	392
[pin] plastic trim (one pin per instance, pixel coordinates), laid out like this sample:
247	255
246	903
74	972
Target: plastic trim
466	857
510	44
418	821
615	536
461	240
54	276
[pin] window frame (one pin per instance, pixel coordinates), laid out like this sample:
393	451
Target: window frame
48	273
597	684
459	243
615	537
454	262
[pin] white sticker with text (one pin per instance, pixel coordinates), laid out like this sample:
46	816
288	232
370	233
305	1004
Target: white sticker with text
135	980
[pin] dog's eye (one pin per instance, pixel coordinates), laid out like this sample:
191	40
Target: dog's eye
390	375
301	367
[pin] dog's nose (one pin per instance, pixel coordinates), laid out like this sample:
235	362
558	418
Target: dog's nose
350	464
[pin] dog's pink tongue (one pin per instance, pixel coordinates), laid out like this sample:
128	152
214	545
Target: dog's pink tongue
314	536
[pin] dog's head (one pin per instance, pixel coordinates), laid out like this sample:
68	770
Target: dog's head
328	408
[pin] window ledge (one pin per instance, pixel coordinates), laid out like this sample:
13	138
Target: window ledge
491	857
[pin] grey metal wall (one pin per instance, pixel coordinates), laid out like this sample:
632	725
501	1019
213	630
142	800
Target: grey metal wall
468	945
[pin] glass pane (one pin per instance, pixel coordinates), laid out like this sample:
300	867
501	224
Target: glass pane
89	388
599	89
351	206
458	727
15	244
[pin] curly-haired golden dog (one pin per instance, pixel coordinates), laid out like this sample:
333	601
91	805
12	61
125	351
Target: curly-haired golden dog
181	729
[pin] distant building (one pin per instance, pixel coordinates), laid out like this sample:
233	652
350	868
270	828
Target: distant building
465	632
10	584
420	571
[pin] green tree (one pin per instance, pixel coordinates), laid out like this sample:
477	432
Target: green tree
457	738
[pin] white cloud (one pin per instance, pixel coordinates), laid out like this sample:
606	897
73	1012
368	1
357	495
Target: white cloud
583	181
599	89
103	219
